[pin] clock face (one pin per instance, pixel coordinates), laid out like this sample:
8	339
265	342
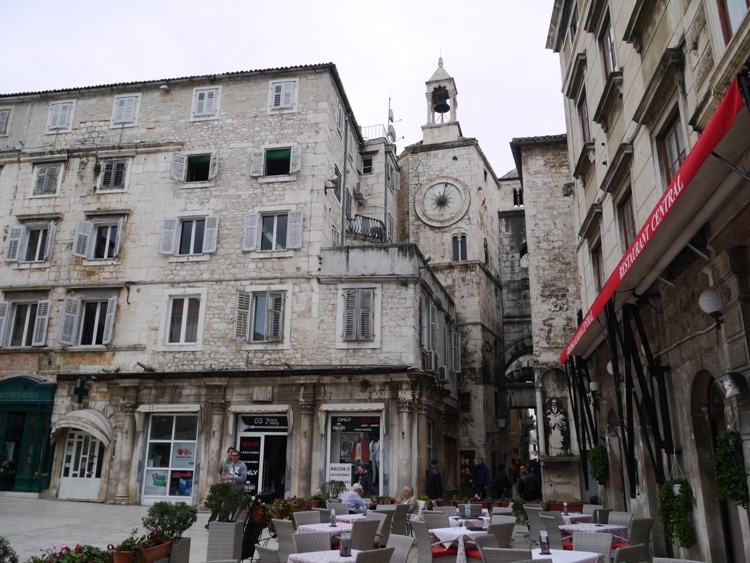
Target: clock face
442	203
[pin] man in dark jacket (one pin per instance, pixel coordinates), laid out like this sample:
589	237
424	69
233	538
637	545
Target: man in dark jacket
529	486
500	486
433	481
480	478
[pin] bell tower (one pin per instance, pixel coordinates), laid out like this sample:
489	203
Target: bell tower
442	103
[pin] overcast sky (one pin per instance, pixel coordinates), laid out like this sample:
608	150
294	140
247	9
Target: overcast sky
508	83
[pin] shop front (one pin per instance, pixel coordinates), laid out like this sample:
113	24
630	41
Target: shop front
25	411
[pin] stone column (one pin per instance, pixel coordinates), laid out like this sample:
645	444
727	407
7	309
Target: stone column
216	448
540	437
403	443
422	463
124	450
303	445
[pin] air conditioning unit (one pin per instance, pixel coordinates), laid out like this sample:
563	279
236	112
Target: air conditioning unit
442	374
428	360
358	195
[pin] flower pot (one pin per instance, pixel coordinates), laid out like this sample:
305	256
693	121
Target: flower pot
122	556
676	488
152	554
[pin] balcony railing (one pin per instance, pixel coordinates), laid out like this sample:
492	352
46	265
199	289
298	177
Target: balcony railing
367	227
373	132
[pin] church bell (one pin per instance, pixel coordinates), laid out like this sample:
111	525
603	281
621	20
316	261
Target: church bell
440	101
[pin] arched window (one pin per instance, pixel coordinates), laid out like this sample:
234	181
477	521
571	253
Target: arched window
459	247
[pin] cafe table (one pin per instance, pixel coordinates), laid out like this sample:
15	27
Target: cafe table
477	522
565	556
349	517
620	531
333	531
447	536
578	518
328	556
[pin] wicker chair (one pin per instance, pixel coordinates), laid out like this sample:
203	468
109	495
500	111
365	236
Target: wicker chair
535	523
325	514
593	541
481	542
556	539
427	552
618	518
502	519
402	546
436	519
284	531
363	533
503	533
475	510
590	508
640	532
631	554
375	555
398	524
306	517
266	554
505	510
339	507
384	518
500	555
313	541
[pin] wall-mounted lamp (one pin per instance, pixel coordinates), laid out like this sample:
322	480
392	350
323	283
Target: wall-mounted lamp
502	422
165	88
332	184
594	386
610	369
710	303
731	383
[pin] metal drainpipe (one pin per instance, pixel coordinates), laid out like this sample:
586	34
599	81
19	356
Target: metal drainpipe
343	182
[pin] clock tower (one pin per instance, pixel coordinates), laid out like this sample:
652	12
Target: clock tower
442	105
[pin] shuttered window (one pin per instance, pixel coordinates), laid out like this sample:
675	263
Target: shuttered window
359	315
113	175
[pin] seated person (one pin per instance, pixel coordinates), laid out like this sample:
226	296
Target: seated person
353	498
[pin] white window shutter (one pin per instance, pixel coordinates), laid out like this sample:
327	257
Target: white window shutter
389	228
283	95
39	336
348	204
69	321
366	299
294	230
242	327
360	163
295	160
125	112
275	316
109	320
396	179
213	167
179	167
51	232
13	247
169	235
249	240
433	327
456	351
256	162
210	102
4	118
82	238
425	314
60	116
4	310
350	314
118	238
211	234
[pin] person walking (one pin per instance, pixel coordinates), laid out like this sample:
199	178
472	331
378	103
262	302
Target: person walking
528	485
500	486
222	472
480	478
433	481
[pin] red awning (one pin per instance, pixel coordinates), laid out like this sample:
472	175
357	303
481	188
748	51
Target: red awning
697	189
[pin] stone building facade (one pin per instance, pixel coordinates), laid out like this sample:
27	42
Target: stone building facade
657	120
209	261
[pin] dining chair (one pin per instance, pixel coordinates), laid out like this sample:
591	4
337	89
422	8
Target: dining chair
671	560
640	532
339	507
502	518
480	542
363	533
590	508
535	523
402	546
630	554
384	526
501	510
375	555
267	554
593	541
436	519
503	533
556	539
501	555
427	552
398	523
284	530
306	517
325	514
619	518
311	541
601	515
475	510
554	514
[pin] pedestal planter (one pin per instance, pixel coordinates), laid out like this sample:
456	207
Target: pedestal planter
122	556
180	551
224	541
153	554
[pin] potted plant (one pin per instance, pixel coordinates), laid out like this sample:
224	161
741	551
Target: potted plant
676	501
599	461
7	553
230	503
169	520
729	464
61	553
518	510
318	500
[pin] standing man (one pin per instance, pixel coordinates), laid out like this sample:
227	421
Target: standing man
480	478
529	486
225	463
236	473
433	481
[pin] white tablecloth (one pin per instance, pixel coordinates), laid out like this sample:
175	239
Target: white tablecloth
334	531
447	536
330	556
564	556
620	531
480	522
349	517
578	518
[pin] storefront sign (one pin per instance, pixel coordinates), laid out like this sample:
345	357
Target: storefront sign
250	454
356	424
183	454
265	423
341	472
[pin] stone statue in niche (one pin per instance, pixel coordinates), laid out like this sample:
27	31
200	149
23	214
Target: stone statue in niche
556	428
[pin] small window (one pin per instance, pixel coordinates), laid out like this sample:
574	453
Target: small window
359	315
112	176
205	102
731	14
626	220
60	116
389	227
597	266
464	402
607	48
282	94
87	321
367	165
392	177
189	168
583	117
574	22
47	178
4	121
23	324
126	109
340	119
459	247
276	161
269	231
260	316
186	236
456	349
30	243
672	149
97	240
184	315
